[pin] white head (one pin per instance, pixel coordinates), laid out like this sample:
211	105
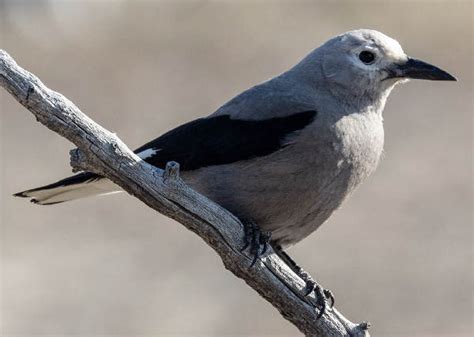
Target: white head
366	64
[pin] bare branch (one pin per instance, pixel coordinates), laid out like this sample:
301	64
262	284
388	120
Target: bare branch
104	153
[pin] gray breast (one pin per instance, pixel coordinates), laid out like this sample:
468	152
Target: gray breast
291	192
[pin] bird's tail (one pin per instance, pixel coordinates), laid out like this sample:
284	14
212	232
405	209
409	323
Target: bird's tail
75	187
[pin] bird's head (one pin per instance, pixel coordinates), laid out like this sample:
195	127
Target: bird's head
368	63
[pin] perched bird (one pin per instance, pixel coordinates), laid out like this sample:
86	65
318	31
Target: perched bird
283	155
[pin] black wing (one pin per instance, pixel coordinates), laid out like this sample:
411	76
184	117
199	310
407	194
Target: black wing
221	140
209	141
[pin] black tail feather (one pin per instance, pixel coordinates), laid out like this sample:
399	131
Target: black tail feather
73	180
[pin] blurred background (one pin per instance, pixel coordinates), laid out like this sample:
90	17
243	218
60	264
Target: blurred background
399	253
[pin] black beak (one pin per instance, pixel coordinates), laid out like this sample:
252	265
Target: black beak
417	69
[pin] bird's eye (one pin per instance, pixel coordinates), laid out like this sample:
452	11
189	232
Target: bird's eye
367	57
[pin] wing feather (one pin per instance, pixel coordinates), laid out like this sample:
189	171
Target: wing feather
222	140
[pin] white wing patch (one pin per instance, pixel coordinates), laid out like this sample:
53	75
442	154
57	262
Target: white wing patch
148	153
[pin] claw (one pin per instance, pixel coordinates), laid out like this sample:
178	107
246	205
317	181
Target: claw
329	295
248	233
246	244
255	247
322	300
254	238
264	239
324	297
255	258
310	286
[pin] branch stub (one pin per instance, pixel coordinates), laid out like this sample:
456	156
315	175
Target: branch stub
171	172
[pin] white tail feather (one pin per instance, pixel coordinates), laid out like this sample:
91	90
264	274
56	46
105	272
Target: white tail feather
72	192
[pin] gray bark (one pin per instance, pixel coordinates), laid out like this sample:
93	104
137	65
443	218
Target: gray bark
102	152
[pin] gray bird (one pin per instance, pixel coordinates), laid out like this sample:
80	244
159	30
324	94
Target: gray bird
283	155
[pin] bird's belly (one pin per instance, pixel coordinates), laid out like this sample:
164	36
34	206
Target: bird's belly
293	191
345	156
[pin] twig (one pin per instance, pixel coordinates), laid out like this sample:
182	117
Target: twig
104	153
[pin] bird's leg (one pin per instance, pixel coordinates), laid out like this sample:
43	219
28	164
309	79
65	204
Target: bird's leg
324	297
254	238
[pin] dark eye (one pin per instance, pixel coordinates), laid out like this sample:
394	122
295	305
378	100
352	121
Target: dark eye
367	57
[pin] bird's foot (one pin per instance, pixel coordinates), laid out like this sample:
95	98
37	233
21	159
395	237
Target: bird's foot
324	297
255	240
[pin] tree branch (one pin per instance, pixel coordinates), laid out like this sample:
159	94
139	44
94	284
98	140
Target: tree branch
104	153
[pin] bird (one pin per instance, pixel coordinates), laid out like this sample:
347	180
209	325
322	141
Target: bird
283	155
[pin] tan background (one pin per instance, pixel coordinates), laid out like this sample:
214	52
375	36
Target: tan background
399	253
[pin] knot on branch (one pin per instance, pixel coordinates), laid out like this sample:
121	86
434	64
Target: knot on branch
362	329
171	172
78	160
114	143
